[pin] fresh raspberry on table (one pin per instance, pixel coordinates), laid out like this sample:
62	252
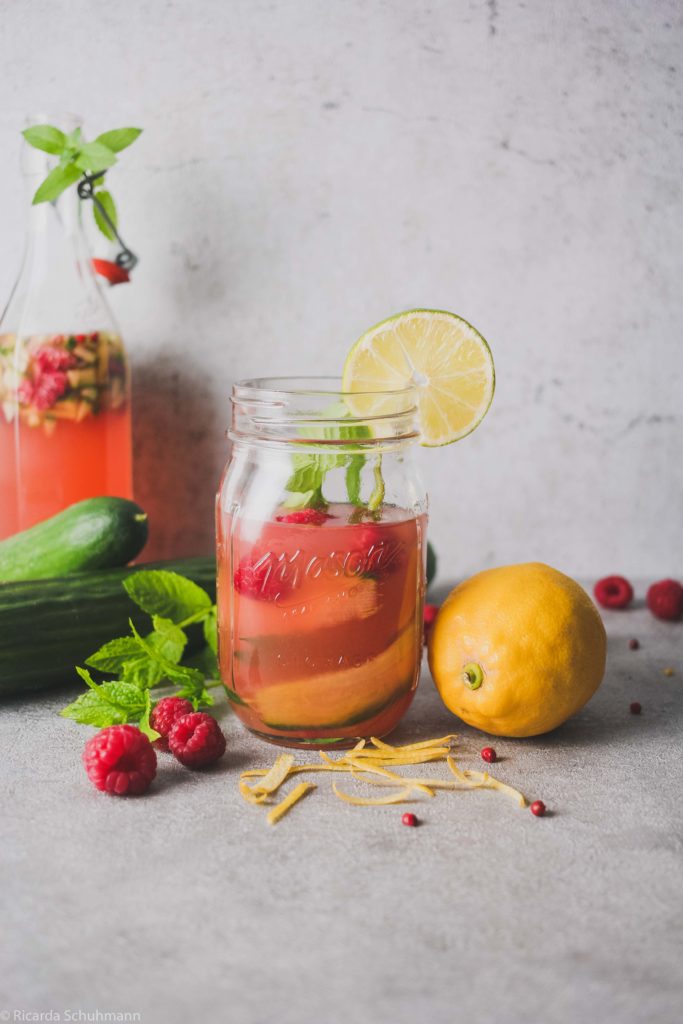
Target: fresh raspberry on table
613	592
120	760
305	516
665	600
265	579
165	714
196	740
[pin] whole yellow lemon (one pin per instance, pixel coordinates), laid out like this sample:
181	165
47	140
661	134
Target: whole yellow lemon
515	651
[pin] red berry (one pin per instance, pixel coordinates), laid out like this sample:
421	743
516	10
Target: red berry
429	617
430	613
120	760
409	819
635	708
538	808
196	740
489	754
305	516
50	359
613	592
164	715
633	644
373	551
665	600
265	579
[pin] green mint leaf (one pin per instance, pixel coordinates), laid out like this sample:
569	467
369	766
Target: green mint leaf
164	593
45	137
211	630
59	179
91	709
310	469
307	477
112	656
200	699
181	674
74	139
167	639
144	723
93	156
119	138
109	704
353	477
306	499
107	201
142	671
377	496
124	656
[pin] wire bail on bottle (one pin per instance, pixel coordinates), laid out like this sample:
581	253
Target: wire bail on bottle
126	258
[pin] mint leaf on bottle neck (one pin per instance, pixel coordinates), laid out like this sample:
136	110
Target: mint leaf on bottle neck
77	157
46	138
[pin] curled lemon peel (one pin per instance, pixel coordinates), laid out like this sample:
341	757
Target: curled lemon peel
271	782
279	811
482	780
441	742
365	801
249	795
390	779
379	757
372	765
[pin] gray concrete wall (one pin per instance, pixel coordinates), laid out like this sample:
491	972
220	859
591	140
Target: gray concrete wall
309	167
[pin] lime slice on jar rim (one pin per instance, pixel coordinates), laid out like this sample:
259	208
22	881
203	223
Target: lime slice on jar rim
443	356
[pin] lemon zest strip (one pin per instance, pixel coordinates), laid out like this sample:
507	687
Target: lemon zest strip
363	801
482	780
442	741
358	770
249	795
277	812
277	774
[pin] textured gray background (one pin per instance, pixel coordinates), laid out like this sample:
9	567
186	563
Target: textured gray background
185	906
309	167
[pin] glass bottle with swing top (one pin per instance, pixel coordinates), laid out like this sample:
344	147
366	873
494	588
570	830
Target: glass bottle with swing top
65	411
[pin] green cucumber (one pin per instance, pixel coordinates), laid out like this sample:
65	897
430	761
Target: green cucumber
98	533
49	626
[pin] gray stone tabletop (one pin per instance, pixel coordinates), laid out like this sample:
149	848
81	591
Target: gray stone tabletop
184	905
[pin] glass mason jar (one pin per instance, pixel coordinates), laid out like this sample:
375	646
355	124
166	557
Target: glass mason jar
321	521
65	419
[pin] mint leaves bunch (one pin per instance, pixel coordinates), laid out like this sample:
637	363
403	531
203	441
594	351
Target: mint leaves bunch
79	158
310	469
143	663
